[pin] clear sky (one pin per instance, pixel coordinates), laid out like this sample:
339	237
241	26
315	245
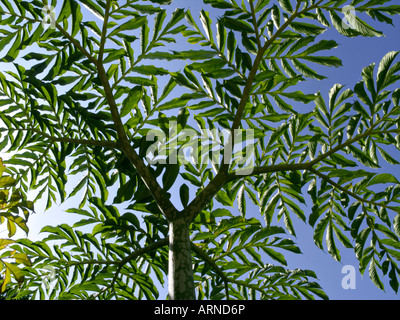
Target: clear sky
356	53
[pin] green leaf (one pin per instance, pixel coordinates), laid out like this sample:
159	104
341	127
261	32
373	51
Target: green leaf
286	5
382	179
221	36
6	182
361	26
220	212
182	55
158	23
5	242
373	274
220	4
330	242
269	210
241	200
383	69
144	38
14	50
396	224
231	46
150	70
22	258
140	81
224	199
208	66
206	21
322	19
277	117
363	157
177	16
132	24
237	25
170	175
319	232
76	18
342	238
325	61
191	178
343	161
343	29
94	8
184	194
277	256
306	71
283	105
393	279
17	272
387	157
307	28
6	280
163	2
114	55
131	102
299	96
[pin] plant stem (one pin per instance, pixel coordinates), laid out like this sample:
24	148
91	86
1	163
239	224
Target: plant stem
180	271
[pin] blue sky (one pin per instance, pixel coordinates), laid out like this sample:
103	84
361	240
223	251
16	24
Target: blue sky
356	53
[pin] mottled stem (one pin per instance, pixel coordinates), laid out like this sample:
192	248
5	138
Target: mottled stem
180	271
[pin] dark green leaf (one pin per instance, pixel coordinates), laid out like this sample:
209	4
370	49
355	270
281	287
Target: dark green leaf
307	28
237	25
132	24
184	194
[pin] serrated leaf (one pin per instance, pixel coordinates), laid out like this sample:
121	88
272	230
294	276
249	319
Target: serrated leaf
330	242
277	256
340	26
373	274
270	209
363	157
342	238
132	24
330	61
361	26
237	25
319	232
307	28
322	19
284	106
383	69
306	71
286	5
206	21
